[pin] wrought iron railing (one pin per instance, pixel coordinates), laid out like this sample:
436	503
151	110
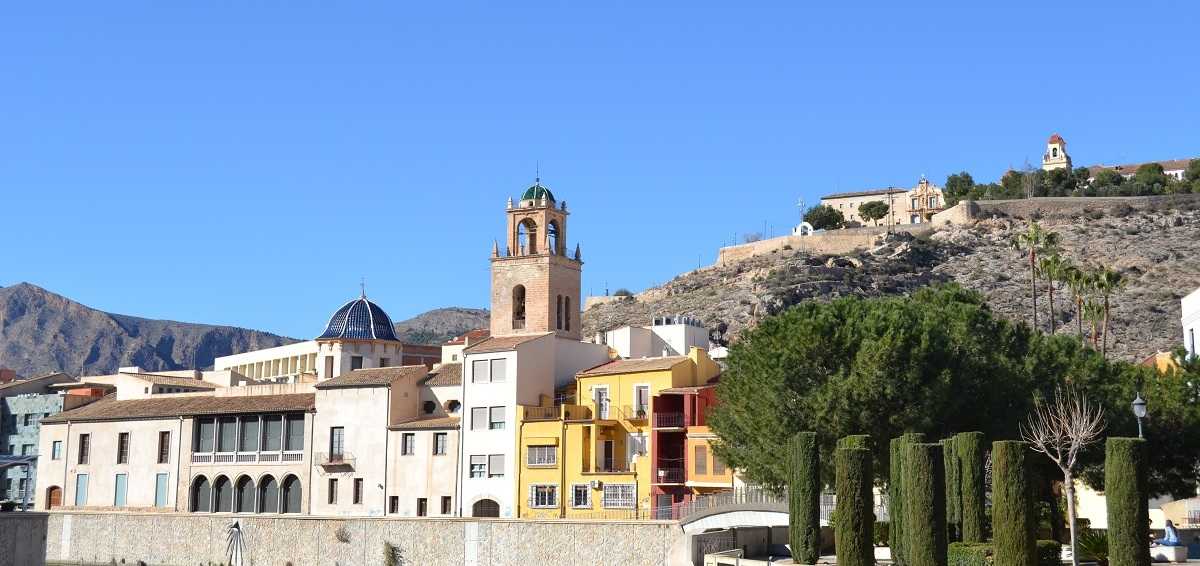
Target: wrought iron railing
668	420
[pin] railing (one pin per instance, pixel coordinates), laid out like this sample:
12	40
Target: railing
518	323
671	474
543	413
755	495
247	457
612	466
668	420
635	413
577	413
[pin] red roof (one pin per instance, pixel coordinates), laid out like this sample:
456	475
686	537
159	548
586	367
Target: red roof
1055	138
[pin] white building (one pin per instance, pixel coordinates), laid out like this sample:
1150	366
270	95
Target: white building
666	336
1191	322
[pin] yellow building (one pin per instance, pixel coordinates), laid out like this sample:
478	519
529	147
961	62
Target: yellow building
627	437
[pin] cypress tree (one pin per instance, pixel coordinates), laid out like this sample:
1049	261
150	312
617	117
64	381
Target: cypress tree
855	441
804	498
1127	494
924	505
854	520
1013	518
953	489
969	449
896	494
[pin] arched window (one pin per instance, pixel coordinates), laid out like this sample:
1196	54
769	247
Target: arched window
485	508
566	313
518	307
222	495
201	495
560	312
429	407
291	495
268	495
452	406
527	237
245	495
552	235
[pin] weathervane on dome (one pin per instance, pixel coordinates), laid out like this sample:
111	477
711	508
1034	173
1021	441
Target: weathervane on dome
362	286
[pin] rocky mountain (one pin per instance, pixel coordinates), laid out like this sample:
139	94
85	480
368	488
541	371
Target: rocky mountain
42	332
1157	249
438	325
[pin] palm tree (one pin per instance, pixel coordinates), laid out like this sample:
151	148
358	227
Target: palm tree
1094	312
1108	283
1054	268
1079	282
1035	240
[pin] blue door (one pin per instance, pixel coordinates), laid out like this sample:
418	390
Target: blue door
81	481
160	490
119	492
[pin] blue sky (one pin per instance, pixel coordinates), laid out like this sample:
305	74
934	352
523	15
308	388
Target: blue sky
246	163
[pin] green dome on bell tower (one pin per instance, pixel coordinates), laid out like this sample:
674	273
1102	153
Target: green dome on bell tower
537	191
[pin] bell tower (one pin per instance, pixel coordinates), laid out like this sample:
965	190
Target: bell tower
1056	154
535	283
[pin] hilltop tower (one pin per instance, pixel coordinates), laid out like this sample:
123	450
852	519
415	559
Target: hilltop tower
535	283
1056	154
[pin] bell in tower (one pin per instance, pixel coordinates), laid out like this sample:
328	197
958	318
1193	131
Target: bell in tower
535	283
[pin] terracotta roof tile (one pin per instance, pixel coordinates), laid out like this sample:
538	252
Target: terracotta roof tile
17	382
172	380
867	193
634	366
110	409
444	375
420	423
503	343
374	377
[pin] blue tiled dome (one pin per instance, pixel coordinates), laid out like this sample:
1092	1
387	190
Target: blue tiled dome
360	319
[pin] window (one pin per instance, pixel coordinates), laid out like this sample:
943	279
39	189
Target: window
226	434
479	418
385	362
408	443
932	202
122	447
27	419
446	508
915	203
222	495
291	495
81	488
641	400
356	362
718	466
205	433
543	496
337	443
496	466
248	435
26	449
452	406
164	447
245	495
332	491
422	507
566	313
496	418
201	496
542	456
429	407
637	445
120	490
268	495
272	433
295	433
558	304
439	443
160	489
358	491
85	448
478	466
619	495
479	371
56	450
499	370
581	496
701	458
393	504
328	367
518	307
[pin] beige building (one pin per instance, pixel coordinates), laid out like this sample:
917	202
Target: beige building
1056	154
906	206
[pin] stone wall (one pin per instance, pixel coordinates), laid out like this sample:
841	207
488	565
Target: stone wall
832	242
22	539
179	539
1057	207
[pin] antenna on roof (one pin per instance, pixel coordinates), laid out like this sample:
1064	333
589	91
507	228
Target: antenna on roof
537	172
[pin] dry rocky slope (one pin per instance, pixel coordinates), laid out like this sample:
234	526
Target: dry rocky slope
438	325
1157	249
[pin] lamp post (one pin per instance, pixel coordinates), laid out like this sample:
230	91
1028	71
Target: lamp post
1139	411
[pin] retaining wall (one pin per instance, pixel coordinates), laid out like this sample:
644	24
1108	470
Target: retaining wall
832	242
181	539
22	538
1057	207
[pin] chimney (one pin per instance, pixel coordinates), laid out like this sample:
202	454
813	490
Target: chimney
7	375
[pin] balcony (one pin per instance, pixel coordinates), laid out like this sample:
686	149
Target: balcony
335	461
636	413
290	456
670	475
611	466
543	413
576	413
669	420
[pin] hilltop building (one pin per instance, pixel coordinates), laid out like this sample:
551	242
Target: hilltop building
1056	157
906	206
1056	154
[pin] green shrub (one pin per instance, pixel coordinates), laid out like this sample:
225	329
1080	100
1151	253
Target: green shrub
804	493
924	505
1049	553
1092	545
1126	492
969	449
896	494
856	441
852	526
1012	508
969	554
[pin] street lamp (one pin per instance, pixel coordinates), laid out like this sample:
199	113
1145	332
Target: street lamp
1139	411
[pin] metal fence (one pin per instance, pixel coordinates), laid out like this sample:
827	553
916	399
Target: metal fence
754	495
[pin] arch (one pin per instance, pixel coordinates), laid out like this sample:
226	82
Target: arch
485	508
289	500
222	495
518	307
553	238
244	495
527	237
452	406
567	313
53	497
201	495
268	495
